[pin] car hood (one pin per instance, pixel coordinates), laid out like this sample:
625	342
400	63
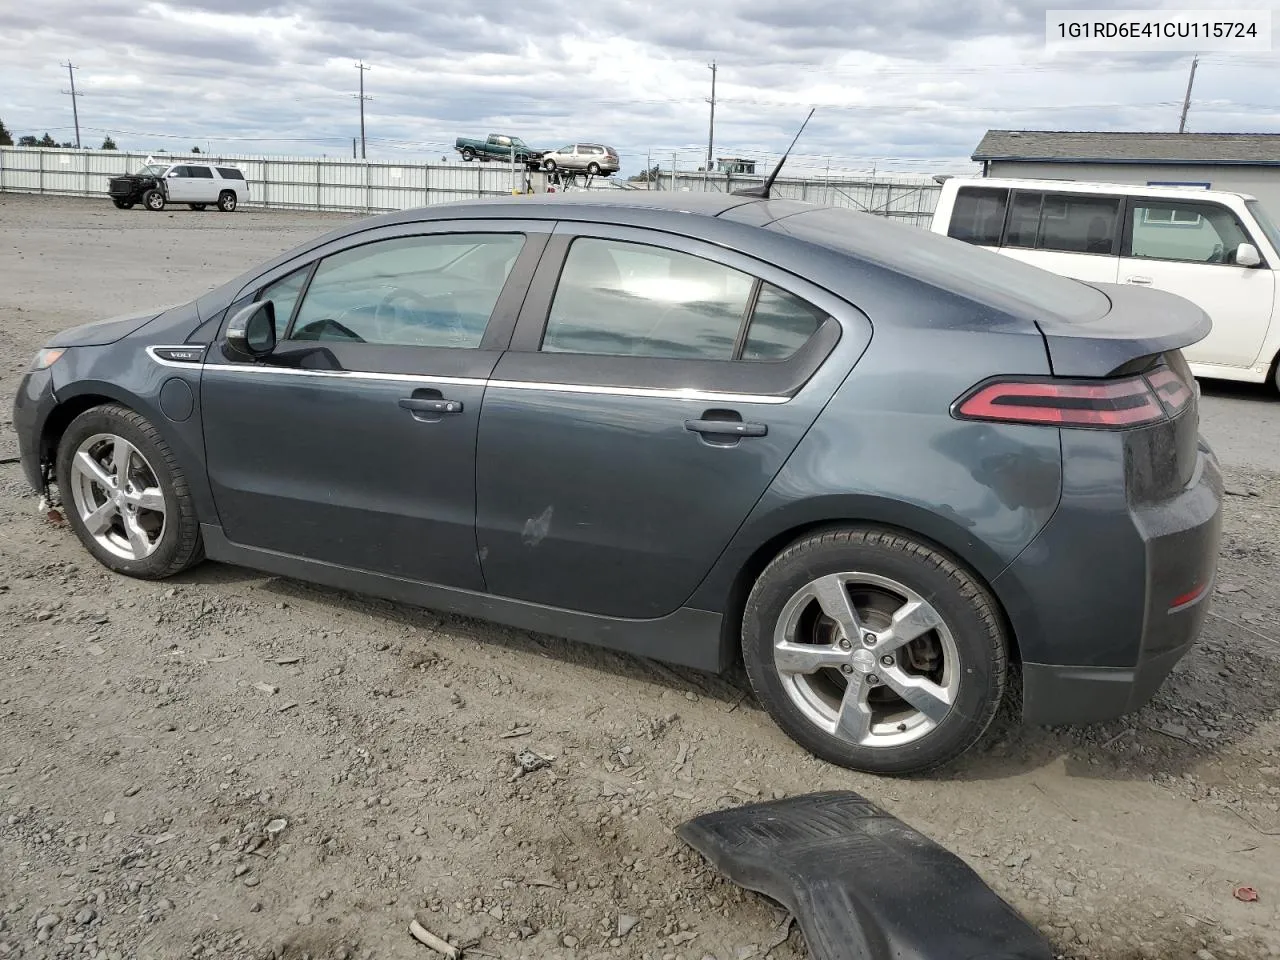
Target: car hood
101	332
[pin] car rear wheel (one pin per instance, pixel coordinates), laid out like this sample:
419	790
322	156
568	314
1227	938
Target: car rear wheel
875	651
125	495
197	206
123	204
227	201
593	168
468	153
153	199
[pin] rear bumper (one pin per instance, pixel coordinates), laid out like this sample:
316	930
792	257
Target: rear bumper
1111	594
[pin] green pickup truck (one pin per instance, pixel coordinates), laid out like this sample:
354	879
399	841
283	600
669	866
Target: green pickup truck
498	146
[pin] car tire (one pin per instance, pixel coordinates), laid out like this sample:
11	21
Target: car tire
468	154
227	201
549	166
123	204
801	661
151	531
593	168
153	200
197	206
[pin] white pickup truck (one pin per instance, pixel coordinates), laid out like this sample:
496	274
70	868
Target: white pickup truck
1219	250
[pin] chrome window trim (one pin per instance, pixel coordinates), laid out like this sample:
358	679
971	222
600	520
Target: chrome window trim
654	393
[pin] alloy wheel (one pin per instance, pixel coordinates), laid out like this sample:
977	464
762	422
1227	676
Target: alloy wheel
117	496
866	659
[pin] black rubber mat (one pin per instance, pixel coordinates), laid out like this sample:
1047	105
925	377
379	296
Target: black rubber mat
862	884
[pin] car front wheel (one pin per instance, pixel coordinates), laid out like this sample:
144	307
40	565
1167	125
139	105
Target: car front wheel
226	201
875	651
125	495
153	199
549	165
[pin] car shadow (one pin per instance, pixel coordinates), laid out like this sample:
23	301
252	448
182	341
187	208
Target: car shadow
1238	390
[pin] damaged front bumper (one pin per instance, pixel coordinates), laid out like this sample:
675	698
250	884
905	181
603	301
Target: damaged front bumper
31	408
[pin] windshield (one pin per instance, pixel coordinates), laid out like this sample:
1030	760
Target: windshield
1264	221
517	142
152	170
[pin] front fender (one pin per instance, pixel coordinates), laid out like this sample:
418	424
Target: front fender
123	373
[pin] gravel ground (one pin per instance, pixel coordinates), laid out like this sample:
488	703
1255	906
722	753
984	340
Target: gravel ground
236	765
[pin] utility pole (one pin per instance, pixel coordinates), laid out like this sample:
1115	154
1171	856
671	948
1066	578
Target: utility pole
71	68
711	129
1186	101
362	98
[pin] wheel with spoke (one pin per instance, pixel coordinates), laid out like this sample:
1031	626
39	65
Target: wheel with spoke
125	494
875	651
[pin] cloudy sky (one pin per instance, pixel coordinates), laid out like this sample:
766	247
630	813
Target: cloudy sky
907	85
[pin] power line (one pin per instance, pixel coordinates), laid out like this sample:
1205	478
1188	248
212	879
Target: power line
362	98
75	112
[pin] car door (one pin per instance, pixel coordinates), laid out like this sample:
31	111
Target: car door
354	443
653	389
179	185
1072	234
1188	247
204	188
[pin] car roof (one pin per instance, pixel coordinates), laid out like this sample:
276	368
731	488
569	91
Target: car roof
1097	186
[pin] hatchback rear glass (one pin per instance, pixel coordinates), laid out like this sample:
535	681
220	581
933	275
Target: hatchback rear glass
953	265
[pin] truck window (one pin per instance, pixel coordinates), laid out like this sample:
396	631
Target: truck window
978	215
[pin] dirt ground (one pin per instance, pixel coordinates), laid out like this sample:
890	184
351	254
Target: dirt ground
236	765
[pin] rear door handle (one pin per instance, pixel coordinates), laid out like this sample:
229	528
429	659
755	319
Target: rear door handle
1141	281
726	428
431	405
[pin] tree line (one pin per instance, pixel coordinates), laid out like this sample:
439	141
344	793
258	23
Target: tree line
30	140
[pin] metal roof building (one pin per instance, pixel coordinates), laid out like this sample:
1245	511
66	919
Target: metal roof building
1242	162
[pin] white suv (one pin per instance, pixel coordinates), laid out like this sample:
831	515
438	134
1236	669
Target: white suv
196	184
1219	250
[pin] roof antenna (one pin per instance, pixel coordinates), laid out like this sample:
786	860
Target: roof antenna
765	188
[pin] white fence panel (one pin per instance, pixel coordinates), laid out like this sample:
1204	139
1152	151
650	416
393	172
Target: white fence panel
295	183
326	183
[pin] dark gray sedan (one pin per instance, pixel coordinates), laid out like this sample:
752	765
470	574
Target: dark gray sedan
895	474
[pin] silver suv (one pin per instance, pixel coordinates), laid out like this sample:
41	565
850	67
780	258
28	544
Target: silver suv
593	158
196	184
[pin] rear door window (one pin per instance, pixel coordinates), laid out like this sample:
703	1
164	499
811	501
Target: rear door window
618	298
201	173
1079	223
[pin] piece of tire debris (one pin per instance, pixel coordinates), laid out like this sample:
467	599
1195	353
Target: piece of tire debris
429	939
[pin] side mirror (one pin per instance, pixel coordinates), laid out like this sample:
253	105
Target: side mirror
252	331
1247	255
172	173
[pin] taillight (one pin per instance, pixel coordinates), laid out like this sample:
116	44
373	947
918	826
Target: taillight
1066	403
1174	394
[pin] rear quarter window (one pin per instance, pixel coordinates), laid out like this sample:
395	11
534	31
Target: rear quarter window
230	173
978	215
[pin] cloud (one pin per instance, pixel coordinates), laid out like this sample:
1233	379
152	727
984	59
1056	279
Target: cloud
904	85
